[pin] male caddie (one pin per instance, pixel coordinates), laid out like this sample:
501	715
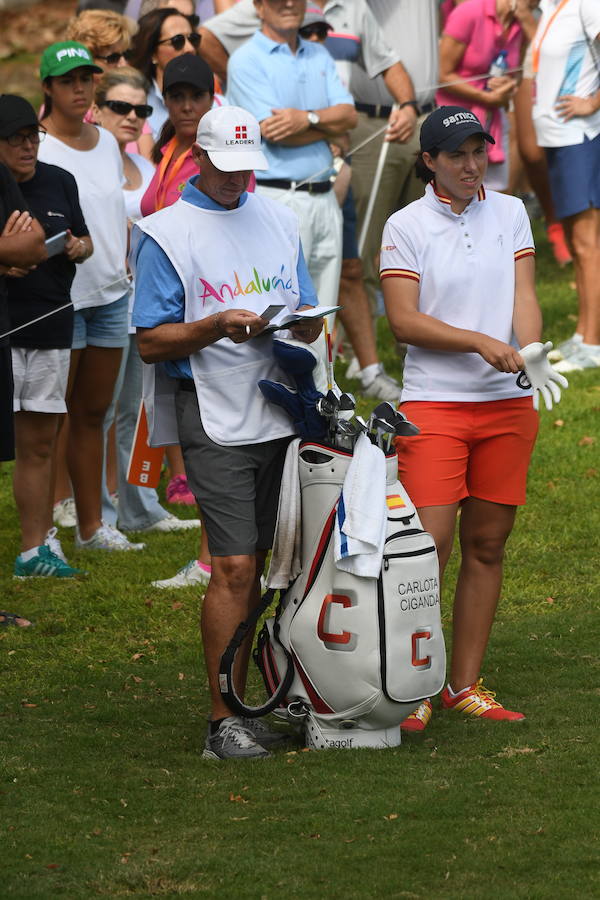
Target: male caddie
206	267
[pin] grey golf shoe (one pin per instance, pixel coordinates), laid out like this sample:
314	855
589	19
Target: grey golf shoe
232	740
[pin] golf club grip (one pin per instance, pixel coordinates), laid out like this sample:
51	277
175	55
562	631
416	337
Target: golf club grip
226	684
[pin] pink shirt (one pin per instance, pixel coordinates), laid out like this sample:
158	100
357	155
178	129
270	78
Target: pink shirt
476	25
174	188
176	185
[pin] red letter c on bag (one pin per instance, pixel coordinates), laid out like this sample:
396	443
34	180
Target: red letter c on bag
327	637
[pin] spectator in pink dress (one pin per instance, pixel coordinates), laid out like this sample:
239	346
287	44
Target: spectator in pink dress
474	35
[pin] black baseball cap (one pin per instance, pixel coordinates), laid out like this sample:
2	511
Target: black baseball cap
15	113
189	69
448	126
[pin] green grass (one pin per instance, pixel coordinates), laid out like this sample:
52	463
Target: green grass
102	717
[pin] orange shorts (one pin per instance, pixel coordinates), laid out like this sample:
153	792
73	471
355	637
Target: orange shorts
467	450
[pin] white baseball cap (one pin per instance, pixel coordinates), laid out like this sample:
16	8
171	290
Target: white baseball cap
231	137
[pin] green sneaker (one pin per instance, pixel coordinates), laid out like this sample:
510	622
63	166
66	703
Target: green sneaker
45	564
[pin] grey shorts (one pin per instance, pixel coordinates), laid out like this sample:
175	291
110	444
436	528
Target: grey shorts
237	488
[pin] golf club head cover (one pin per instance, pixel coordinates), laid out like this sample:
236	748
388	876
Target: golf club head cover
307	424
542	377
300	361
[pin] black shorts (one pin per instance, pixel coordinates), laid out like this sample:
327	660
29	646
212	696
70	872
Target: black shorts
237	488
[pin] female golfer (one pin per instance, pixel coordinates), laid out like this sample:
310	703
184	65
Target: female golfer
101	286
457	268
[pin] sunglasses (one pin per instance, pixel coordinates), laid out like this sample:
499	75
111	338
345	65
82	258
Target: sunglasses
113	59
318	30
121	108
177	42
18	140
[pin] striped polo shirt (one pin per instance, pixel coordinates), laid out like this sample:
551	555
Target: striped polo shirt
464	266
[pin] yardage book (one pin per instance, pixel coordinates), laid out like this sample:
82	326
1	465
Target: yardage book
284	320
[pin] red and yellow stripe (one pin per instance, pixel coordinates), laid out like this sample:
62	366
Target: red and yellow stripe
525	251
400	273
395	501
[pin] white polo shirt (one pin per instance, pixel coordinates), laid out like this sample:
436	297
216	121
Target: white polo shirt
569	63
464	265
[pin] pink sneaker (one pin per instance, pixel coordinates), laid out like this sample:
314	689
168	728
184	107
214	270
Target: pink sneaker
179	492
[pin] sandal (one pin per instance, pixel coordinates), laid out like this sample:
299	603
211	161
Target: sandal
7	619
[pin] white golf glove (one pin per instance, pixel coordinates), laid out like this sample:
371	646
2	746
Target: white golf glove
542	377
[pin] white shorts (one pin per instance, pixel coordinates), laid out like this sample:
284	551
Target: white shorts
40	378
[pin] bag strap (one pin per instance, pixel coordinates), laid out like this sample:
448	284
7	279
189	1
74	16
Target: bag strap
226	684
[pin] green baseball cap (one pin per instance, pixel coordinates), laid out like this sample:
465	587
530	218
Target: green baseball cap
60	58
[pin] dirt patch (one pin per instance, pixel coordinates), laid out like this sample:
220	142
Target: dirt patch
31	29
24	33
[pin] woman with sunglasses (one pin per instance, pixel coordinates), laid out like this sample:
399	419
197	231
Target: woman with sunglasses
108	36
105	33
163	35
101	287
120	107
41	350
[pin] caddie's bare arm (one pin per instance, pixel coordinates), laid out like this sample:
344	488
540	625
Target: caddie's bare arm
401	297
402	122
291	128
527	316
173	340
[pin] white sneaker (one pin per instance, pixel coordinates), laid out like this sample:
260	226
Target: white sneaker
383	386
189	576
353	369
54	544
106	538
566	349
577	361
64	513
171	523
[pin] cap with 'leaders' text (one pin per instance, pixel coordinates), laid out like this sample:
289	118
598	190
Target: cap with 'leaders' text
231	137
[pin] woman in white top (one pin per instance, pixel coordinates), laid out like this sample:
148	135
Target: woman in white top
566	115
457	269
101	286
121	107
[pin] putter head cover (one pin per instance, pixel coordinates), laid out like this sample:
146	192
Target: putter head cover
304	365
544	380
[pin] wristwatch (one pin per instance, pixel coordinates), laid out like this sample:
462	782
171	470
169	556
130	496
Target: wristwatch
313	117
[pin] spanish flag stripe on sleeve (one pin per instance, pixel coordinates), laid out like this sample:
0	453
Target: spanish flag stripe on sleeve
526	251
400	273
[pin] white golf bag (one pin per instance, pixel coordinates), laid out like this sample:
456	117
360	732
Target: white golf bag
347	655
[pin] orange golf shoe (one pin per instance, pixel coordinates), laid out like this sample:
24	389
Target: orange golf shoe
419	719
476	700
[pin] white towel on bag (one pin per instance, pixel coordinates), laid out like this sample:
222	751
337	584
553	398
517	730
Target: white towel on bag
285	559
361	518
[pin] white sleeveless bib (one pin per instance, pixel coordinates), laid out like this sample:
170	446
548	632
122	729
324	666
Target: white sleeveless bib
243	258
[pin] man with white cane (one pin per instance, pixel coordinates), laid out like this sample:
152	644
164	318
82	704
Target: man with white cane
206	268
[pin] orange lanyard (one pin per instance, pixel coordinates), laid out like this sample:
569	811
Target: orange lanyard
163	181
535	53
